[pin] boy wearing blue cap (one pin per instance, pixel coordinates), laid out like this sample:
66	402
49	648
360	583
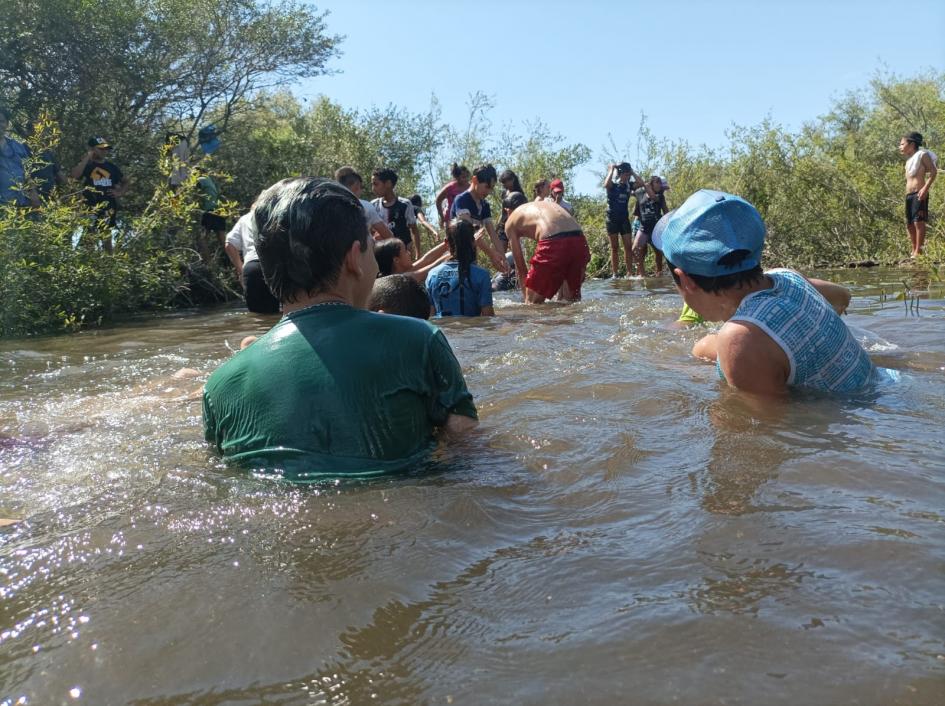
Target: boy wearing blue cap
779	330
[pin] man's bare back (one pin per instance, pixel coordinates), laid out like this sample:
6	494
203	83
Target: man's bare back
560	256
540	219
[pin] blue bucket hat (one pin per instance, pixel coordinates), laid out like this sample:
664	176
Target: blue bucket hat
710	225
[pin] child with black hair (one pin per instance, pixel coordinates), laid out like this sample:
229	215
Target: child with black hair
401	295
459	287
393	258
445	196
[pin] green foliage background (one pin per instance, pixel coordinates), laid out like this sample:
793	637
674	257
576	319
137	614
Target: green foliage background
830	192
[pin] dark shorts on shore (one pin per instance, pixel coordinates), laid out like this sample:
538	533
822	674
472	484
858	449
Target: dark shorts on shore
213	222
916	210
259	299
618	225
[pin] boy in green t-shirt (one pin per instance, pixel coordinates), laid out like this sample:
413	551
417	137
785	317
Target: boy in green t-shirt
332	390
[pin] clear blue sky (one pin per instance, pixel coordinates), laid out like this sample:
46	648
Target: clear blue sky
589	68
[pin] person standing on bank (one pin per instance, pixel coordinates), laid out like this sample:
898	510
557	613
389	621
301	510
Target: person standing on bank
619	187
395	210
104	185
921	170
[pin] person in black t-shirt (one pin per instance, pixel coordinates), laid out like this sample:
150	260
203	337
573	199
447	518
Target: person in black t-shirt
104	185
396	211
649	209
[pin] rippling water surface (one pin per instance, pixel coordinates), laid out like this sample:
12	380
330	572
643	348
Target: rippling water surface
621	530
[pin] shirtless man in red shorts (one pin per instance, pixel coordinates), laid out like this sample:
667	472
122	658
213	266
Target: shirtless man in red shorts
561	255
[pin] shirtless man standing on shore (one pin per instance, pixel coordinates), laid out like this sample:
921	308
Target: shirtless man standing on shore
920	173
561	255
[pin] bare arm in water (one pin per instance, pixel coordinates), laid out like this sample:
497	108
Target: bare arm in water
836	295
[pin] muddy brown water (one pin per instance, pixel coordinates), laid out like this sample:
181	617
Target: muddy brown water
622	529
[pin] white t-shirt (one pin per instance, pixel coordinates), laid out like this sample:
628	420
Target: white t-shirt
370	214
912	164
243	237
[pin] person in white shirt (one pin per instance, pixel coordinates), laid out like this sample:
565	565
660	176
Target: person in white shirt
240	247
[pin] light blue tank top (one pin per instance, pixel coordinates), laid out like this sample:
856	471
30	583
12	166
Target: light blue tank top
822	352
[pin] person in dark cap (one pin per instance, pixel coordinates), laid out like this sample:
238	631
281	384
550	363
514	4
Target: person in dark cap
921	170
104	185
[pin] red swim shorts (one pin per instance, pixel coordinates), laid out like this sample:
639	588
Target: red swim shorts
558	259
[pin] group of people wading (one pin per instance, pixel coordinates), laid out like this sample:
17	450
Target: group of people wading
353	381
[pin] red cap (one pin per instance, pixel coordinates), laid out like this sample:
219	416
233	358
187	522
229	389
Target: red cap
557	185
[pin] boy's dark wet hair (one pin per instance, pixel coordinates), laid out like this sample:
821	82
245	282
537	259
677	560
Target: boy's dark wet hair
458	170
385	252
719	283
306	227
914	137
401	295
5	112
417	202
514	200
347	177
384	174
485	174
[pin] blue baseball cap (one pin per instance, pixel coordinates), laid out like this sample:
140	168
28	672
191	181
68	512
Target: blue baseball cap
710	225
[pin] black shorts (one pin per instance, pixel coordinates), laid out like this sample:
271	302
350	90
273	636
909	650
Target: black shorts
917	211
212	221
259	299
618	225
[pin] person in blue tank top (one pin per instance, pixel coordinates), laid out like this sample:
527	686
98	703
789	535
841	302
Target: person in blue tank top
780	330
459	287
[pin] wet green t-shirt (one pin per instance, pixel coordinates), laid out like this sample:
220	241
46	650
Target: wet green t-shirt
333	391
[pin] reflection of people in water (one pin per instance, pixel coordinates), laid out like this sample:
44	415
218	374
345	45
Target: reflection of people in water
779	331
